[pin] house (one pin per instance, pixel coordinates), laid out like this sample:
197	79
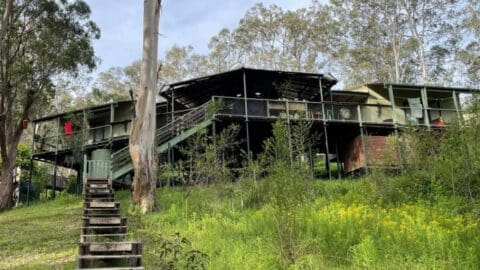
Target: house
95	140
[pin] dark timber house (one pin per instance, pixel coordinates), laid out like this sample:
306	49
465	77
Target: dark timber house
352	124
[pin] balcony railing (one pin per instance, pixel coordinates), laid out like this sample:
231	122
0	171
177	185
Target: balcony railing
335	111
257	108
64	141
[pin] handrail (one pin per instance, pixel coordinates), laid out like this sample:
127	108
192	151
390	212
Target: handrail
180	124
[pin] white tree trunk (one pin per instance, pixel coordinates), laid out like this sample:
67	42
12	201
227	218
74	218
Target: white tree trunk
142	137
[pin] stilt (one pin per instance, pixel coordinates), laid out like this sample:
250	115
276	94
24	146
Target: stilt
289	129
79	181
54	180
364	148
310	159
246	114
337	157
30	173
29	179
327	151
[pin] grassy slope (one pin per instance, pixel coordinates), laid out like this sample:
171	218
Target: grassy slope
338	230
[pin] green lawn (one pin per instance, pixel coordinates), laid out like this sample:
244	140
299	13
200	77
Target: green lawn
340	229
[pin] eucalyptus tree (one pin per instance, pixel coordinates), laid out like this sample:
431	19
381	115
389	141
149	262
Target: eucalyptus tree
268	37
433	25
469	55
142	136
39	39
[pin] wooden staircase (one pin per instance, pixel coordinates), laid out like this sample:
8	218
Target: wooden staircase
166	137
102	241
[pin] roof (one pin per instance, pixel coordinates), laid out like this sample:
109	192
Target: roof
259	83
400	86
90	109
348	96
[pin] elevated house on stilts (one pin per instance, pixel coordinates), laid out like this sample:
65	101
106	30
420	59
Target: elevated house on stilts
352	125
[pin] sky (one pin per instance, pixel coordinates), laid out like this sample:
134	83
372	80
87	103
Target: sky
182	22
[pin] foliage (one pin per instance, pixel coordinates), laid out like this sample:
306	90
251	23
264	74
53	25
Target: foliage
435	163
176	253
40	40
339	229
208	159
78	137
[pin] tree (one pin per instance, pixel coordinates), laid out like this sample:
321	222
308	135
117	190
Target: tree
142	137
469	55
181	63
432	26
268	37
40	39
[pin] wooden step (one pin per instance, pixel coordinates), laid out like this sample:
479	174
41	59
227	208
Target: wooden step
101	205
97	181
106	237
96	221
98	191
100	211
91	248
102	198
89	261
97	194
95	185
113	268
104	229
99	199
89	215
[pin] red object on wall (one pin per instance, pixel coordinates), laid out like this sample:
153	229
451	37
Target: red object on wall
68	129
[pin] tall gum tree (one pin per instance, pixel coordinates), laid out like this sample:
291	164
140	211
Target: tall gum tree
39	40
142	137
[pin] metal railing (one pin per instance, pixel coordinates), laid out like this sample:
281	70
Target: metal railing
64	141
334	111
186	121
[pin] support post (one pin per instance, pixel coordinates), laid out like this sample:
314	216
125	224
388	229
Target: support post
173	105
364	148
426	117
112	119
85	168
289	129
30	173
214	135
246	113
395	123
321	99
339	167
362	137
457	106
54	180
327	160
392	103
310	160
327	151
79	180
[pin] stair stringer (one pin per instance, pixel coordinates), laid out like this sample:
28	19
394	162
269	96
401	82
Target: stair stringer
164	146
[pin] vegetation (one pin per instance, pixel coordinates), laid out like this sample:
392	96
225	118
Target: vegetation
39	41
283	219
276	216
339	227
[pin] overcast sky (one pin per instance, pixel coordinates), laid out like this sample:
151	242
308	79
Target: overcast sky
182	22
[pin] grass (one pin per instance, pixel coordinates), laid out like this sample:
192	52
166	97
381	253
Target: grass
339	229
